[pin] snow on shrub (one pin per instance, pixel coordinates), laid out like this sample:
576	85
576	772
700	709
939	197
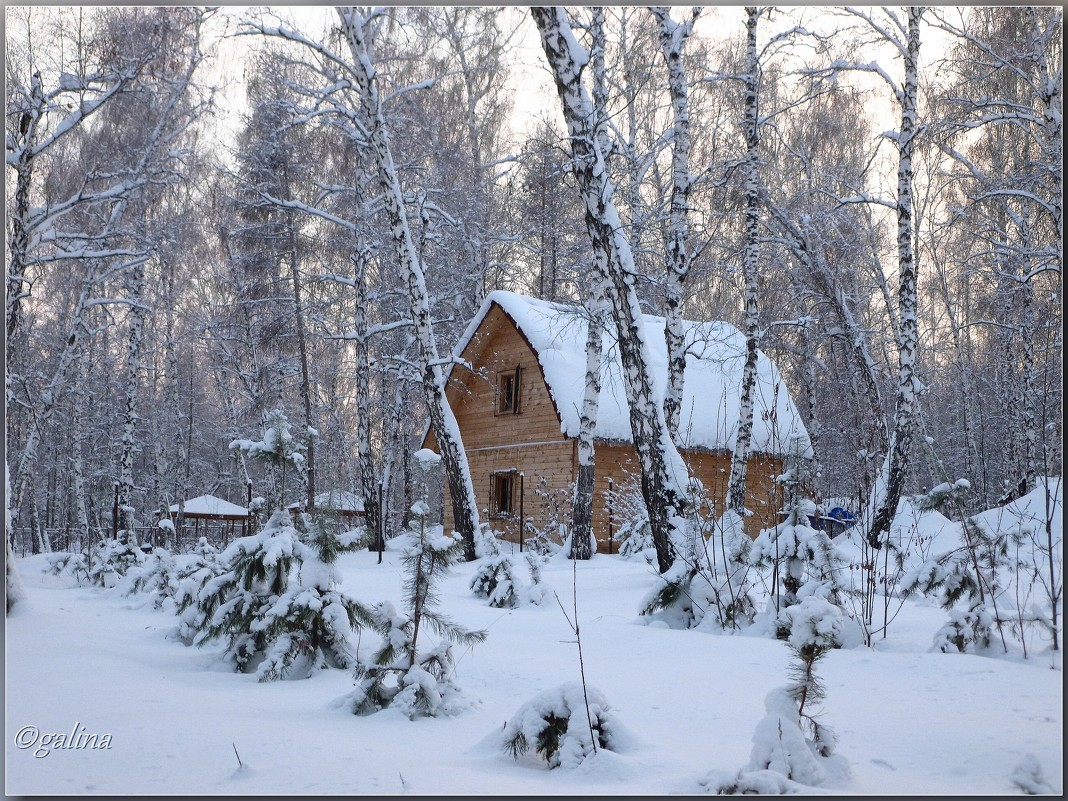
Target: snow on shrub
564	725
114	558
792	749
399	675
156	576
203	567
275	602
63	563
1028	776
495	576
708	586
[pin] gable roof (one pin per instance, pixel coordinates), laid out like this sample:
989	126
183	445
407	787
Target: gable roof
340	501
716	355
210	506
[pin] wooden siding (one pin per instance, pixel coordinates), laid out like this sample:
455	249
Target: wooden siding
619	462
531	442
490	439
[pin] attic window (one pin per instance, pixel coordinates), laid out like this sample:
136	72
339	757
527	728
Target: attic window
503	494
508	395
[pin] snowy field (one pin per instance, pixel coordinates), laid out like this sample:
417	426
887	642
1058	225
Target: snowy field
909	721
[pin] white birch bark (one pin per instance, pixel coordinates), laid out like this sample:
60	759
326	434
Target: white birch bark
457	471
368	487
582	509
663	472
908	335
673	37
77	461
135	292
750	266
582	512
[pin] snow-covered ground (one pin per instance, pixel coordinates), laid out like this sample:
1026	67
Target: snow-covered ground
908	720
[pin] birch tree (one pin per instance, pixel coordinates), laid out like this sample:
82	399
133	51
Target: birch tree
582	509
663	473
750	267
673	36
900	31
458	474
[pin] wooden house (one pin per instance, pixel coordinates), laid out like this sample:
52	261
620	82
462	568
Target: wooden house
518	396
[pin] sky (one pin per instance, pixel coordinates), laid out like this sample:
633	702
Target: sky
689	706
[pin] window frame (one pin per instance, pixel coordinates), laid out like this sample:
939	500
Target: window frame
497	478
509	398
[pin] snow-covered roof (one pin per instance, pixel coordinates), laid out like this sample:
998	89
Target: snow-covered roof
210	506
339	501
709	416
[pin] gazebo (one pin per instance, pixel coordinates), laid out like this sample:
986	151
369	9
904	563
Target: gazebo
347	504
344	504
209	508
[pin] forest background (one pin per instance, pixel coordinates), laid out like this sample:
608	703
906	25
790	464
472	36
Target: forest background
188	252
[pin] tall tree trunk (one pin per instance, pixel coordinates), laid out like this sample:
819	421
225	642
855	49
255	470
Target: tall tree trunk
582	507
673	37
750	266
442	419
368	486
135	294
77	459
18	243
305	374
908	336
663	472
582	510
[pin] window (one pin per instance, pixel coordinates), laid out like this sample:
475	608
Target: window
508	385
503	494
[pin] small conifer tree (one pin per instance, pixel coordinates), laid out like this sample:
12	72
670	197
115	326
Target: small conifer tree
801	557
400	674
495	577
114	558
156	576
967	575
276	604
280	452
564	725
203	567
274	597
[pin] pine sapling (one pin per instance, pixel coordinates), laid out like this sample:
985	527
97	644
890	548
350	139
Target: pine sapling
419	683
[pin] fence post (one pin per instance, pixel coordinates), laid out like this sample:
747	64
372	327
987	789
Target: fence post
522	525
115	513
381	533
608	510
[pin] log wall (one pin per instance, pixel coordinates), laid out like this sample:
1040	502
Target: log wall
531	442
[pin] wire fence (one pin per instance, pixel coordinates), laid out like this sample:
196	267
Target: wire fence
24	543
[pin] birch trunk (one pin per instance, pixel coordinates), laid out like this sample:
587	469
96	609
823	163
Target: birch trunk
19	242
447	432
582	512
305	375
77	465
135	335
740	458
904	412
663	473
673	37
368	487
